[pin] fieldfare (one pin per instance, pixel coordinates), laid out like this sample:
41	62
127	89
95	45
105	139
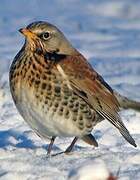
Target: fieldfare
57	91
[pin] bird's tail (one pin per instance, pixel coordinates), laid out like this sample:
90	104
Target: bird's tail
127	103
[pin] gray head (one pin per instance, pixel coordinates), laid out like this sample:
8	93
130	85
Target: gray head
48	37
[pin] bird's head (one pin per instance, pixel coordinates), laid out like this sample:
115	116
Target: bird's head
47	37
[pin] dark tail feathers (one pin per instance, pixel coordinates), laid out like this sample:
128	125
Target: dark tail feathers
127	103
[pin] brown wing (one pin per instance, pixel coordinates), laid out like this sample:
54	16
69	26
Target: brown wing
90	86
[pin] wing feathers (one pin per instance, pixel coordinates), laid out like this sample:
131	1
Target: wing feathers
95	91
116	121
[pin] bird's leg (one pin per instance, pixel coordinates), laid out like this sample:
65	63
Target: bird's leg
50	145
69	149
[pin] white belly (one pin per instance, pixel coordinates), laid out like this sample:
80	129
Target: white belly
45	123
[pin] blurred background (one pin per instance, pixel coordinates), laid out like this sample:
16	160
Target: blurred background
107	32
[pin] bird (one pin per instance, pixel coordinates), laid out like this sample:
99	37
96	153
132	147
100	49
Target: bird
57	92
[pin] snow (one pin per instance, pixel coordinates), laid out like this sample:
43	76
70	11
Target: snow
91	170
107	32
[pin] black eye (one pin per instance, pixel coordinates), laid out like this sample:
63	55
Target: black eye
45	35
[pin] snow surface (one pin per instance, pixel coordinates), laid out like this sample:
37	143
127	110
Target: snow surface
108	33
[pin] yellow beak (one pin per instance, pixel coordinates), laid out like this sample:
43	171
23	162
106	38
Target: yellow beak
27	33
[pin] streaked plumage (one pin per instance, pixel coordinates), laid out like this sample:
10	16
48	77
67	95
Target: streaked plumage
56	90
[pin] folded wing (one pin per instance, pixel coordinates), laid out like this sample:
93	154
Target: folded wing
90	86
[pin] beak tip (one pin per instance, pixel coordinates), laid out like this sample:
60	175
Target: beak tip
20	30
